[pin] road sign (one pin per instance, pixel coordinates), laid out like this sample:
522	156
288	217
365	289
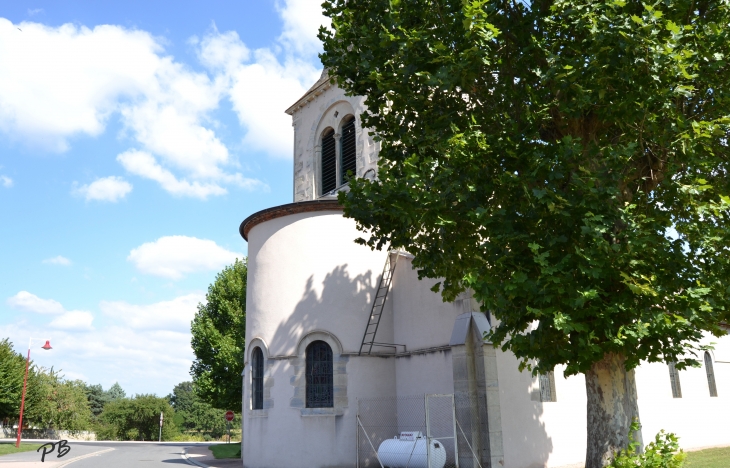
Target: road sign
229	415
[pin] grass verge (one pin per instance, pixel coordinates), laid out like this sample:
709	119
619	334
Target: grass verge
9	447
226	450
708	458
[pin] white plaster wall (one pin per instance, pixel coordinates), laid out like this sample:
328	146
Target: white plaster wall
698	419
424	374
539	434
421	319
309	121
285	438
305	274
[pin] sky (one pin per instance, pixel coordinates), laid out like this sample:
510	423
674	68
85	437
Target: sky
135	136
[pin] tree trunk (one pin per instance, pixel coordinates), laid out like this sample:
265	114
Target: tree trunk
612	406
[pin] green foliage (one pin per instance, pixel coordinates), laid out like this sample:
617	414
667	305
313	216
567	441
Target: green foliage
566	160
115	392
56	403
708	458
137	418
194	415
12	371
9	447
664	452
226	450
97	398
219	331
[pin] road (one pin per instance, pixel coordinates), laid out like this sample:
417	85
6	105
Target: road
105	455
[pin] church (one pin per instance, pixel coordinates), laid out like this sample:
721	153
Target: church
351	361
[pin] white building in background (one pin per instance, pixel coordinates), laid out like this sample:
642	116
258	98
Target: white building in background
316	396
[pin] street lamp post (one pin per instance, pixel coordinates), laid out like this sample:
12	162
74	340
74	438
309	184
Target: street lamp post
46	346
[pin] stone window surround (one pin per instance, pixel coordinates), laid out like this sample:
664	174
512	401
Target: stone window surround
327	121
268	379
339	370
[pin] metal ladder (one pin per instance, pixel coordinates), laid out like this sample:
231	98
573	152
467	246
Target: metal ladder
376	311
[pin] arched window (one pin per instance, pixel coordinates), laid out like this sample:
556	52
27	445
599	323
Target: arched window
319	375
674	380
710	374
347	146
257	379
329	162
547	387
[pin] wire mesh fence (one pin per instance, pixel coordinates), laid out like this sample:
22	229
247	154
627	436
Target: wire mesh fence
424	431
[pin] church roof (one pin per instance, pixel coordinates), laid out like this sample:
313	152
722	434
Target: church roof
322	84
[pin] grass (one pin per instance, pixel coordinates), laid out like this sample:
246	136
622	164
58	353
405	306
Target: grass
226	450
9	447
709	458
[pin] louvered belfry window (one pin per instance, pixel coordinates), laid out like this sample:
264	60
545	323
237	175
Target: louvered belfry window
319	375
710	374
329	162
349	156
257	379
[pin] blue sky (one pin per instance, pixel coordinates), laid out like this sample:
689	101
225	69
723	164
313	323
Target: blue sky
134	138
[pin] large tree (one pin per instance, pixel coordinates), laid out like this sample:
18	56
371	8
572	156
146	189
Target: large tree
566	160
219	333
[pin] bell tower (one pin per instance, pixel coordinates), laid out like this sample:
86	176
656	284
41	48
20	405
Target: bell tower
330	145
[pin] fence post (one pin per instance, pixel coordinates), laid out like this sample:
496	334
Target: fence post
428	433
357	435
456	441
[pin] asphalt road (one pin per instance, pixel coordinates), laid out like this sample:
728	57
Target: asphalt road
125	455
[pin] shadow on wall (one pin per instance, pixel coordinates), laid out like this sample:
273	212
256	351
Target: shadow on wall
341	309
527	442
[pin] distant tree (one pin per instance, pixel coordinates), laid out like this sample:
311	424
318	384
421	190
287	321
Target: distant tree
137	418
12	369
219	330
182	397
194	414
115	392
97	398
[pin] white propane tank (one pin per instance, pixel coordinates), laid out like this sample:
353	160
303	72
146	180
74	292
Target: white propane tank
410	452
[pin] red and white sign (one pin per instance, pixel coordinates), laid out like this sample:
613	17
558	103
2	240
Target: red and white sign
229	415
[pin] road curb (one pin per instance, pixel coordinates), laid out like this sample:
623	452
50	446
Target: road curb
184	456
88	455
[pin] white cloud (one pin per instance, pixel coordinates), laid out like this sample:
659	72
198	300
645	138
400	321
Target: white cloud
28	302
73	320
141	360
111	189
6	181
58	82
34	11
144	165
302	19
58	260
175	256
175	314
261	92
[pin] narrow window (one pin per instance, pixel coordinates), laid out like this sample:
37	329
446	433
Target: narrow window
674	378
547	387
319	375
257	379
329	162
710	374
349	156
